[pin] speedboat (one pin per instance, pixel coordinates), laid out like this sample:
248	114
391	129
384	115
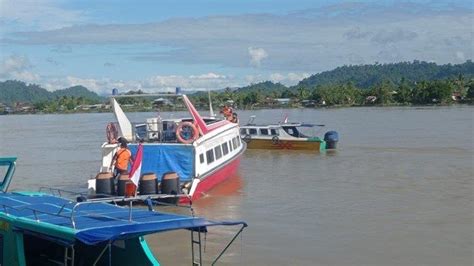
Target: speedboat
43	229
287	136
202	152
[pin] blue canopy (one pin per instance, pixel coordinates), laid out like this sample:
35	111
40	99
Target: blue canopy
162	158
94	222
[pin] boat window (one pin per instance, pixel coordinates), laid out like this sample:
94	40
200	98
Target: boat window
225	149
39	251
234	143
218	152
140	131
273	132
243	131
201	158
252	131
264	131
169	131
291	131
238	141
210	156
230	146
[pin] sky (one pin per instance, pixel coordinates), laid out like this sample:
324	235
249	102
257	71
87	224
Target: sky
212	44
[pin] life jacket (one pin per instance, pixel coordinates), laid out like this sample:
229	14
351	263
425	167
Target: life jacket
123	157
227	111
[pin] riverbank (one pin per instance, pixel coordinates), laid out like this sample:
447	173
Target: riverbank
136	109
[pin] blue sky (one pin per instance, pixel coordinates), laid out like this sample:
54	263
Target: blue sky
158	45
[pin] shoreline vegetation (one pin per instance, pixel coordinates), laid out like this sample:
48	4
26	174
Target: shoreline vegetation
399	84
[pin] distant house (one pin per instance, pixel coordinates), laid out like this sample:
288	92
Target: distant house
456	96
86	107
283	101
5	109
162	102
23	107
371	99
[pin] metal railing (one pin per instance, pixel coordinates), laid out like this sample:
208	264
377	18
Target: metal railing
74	208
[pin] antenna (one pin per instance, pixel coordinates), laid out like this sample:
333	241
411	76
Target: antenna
211	111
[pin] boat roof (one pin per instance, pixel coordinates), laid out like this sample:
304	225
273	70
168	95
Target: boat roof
91	222
294	124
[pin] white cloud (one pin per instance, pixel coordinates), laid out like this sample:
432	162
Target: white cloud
209	75
257	55
310	41
100	86
152	84
288	79
203	81
38	15
17	67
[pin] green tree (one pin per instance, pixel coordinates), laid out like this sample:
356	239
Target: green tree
303	93
383	92
441	91
470	90
404	92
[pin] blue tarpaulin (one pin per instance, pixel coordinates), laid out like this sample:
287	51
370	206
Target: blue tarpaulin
162	158
95	222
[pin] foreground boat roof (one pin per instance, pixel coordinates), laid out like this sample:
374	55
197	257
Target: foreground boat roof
88	222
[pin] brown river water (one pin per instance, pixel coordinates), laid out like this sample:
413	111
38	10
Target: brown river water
398	190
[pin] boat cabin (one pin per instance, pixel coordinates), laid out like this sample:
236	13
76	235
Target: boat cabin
287	130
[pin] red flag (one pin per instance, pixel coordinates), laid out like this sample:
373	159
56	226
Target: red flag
136	170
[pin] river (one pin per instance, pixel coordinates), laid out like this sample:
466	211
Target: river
398	190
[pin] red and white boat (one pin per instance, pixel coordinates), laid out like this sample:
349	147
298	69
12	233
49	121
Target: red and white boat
202	151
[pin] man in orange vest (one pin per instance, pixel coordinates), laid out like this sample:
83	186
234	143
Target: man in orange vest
122	158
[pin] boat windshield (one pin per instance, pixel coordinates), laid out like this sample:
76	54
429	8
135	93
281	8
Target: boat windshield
301	131
7	168
293	131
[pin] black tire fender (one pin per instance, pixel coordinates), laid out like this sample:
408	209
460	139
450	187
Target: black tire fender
247	138
275	140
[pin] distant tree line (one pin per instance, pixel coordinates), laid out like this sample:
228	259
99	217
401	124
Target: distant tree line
367	76
348	94
383	84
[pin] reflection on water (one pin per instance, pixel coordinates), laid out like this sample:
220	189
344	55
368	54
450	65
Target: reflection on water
224	199
398	190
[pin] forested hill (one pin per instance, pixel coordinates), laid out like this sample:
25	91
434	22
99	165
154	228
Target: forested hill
78	91
12	91
265	87
366	76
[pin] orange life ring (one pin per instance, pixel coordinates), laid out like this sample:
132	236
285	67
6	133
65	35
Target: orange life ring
112	133
183	133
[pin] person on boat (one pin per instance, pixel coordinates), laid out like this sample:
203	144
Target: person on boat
227	112
122	158
234	119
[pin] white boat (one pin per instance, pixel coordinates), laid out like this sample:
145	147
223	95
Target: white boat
202	151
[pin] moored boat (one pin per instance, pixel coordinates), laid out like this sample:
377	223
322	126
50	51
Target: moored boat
203	152
42	229
287	136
